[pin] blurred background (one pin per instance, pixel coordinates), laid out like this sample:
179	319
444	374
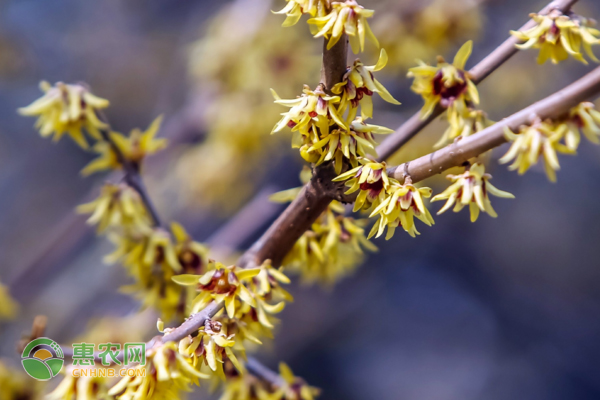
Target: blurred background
501	309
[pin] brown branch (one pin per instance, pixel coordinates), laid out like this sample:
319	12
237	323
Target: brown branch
478	73
462	150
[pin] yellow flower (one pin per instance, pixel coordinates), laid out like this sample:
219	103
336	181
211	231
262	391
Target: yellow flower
542	138
471	188
371	179
293	387
295	8
80	388
448	85
345	17
585	118
118	206
558	35
192	256
402	204
222	284
133	148
167	373
331	250
212	346
463	125
312	109
8	306
245	387
358	85
67	109
351	144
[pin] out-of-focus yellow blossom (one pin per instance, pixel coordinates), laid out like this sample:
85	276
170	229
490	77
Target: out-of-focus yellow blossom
350	144
8	306
357	87
557	35
314	109
345	17
80	388
16	385
118	206
471	188
426	28
69	109
585	118
222	284
167	373
192	255
134	148
152	261
245	387
371	179
448	85
331	249
402	204
541	139
212	346
463	125
293	387
295	8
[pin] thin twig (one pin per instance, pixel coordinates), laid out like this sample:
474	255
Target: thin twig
478	73
462	150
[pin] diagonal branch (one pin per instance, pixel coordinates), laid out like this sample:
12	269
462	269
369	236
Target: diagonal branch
462	150
478	73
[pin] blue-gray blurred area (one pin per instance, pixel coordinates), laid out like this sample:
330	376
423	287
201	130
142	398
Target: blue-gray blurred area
502	309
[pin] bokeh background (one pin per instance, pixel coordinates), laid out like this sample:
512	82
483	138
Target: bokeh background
501	309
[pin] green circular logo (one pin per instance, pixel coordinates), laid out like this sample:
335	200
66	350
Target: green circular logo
42	359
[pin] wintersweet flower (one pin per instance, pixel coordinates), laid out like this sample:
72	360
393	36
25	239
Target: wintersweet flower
295	8
541	139
222	284
69	109
167	373
350	144
118	206
134	148
463	124
558	35
402	204
357	88
471	188
80	388
293	387
192	255
312	109
371	179
212	346
585	118
448	85
345	17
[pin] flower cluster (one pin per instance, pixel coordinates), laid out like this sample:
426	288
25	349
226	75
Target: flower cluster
345	17
403	202
359	84
559	35
80	388
462	125
471	188
70	109
16	385
133	148
168	373
547	138
290	387
395	204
